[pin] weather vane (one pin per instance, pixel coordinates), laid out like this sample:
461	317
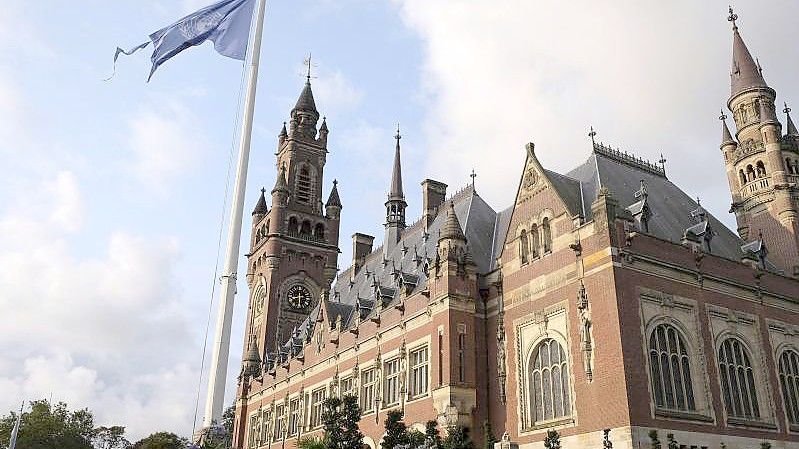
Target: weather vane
723	116
591	134
787	109
662	162
308	64
732	18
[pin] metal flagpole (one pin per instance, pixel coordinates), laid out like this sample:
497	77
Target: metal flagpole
219	359
15	431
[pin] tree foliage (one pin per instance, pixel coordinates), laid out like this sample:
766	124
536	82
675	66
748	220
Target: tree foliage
431	433
552	440
671	442
110	438
396	430
310	442
488	436
48	426
458	438
653	439
340	423
161	440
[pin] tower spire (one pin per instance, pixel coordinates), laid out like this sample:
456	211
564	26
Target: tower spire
746	72
395	205
396	173
790	128
726	135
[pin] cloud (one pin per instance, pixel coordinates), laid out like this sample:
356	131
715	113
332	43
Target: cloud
336	92
165	144
648	77
91	330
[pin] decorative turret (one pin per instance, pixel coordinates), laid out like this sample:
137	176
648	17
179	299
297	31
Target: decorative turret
395	205
790	128
323	131
452	227
726	136
260	207
746	71
333	204
280	183
251	363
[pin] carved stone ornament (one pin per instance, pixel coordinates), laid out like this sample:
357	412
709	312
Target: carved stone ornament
530	178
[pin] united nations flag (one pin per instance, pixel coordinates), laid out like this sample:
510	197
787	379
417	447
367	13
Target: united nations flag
226	24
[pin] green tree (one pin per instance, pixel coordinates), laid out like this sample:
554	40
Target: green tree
110	438
228	418
552	440
331	421
431	432
161	440
415	438
309	442
396	431
653	439
671	442
48	426
351	414
458	438
488	435
765	445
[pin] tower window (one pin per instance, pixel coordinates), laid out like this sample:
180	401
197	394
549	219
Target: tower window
547	235
742	176
761	169
750	173
534	240
294	226
462	355
319	231
304	185
524	246
789	166
306	228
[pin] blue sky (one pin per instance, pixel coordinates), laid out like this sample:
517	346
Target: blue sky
112	191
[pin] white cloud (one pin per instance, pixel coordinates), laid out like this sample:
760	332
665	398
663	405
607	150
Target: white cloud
165	144
649	77
336	92
92	330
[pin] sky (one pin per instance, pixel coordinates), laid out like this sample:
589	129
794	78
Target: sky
113	192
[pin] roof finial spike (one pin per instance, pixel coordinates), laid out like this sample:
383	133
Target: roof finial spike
723	116
308	73
591	134
473	175
732	18
398	136
787	110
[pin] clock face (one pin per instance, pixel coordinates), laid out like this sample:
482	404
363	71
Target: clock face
299	297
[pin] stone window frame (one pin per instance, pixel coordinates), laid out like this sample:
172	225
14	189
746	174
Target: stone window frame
725	323
317	407
413	392
294	416
253	433
392	383
365	400
353	387
280	421
530	376
540	325
727	351
686	356
783	337
790	404
266	425
658	308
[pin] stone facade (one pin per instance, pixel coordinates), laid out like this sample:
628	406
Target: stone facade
603	298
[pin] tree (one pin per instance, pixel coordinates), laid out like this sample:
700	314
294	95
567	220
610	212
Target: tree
653	439
671	442
431	433
488	436
552	440
331	421
110	438
396	431
228	418
415	438
48	426
161	440
351	414
765	445
308	442
458	438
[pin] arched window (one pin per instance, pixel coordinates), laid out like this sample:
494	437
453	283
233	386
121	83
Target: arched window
535	242
789	165
303	185
750	173
319	231
549	382
524	246
761	169
789	381
743	177
547	235
737	380
306	228
294	226
670	367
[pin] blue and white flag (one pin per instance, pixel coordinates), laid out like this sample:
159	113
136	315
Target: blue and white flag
225	23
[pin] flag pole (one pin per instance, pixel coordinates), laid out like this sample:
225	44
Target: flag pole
219	359
12	443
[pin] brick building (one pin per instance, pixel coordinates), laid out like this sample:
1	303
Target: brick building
602	298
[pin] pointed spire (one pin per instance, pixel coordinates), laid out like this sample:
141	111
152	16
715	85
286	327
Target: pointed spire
260	207
396	174
280	182
283	132
306	101
452	227
746	72
323	128
334	200
726	136
790	128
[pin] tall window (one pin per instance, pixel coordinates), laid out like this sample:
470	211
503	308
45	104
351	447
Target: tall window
391	375
368	384
669	364
304	185
549	382
462	355
524	246
294	416
534	240
294	226
737	380
252	441
547	235
348	387
280	422
419	363
317	401
789	381
266	422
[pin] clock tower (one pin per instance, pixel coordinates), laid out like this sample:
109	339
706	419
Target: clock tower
294	244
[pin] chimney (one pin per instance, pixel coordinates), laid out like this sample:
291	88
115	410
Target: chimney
361	247
434	193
